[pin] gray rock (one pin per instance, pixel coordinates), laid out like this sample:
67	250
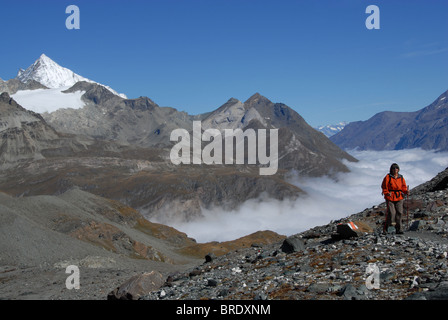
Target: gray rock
210	257
292	244
137	286
387	275
417	225
212	283
346	231
349	292
319	287
260	296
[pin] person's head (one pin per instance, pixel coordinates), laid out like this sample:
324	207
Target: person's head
394	167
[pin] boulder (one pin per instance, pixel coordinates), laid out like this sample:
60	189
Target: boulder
349	292
210	257
417	225
137	286
293	244
348	230
319	287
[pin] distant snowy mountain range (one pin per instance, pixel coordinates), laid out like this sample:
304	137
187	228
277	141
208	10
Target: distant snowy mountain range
42	87
331	129
46	87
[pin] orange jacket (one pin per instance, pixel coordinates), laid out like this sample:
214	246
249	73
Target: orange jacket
393	188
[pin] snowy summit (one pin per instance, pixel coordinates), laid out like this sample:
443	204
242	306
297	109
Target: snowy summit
47	72
57	79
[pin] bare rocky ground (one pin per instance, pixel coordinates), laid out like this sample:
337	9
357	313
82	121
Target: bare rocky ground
49	283
318	264
409	268
109	242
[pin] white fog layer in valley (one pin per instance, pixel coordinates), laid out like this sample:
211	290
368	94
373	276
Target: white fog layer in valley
326	199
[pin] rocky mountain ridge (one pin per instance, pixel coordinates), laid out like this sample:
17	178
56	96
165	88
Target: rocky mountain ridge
139	122
42	161
123	146
24	134
108	116
143	123
13	85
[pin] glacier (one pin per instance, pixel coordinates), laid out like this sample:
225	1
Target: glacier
49	100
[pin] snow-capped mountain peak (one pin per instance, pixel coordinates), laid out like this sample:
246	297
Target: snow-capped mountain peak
47	72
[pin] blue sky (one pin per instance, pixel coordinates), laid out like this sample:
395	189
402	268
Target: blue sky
316	56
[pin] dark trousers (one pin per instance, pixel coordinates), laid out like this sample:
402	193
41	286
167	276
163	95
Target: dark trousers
395	209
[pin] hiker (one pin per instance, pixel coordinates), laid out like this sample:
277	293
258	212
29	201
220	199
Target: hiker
394	187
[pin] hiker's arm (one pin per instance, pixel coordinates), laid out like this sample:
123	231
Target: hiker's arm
404	187
385	188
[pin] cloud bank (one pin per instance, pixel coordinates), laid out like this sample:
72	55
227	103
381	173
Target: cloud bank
326	198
